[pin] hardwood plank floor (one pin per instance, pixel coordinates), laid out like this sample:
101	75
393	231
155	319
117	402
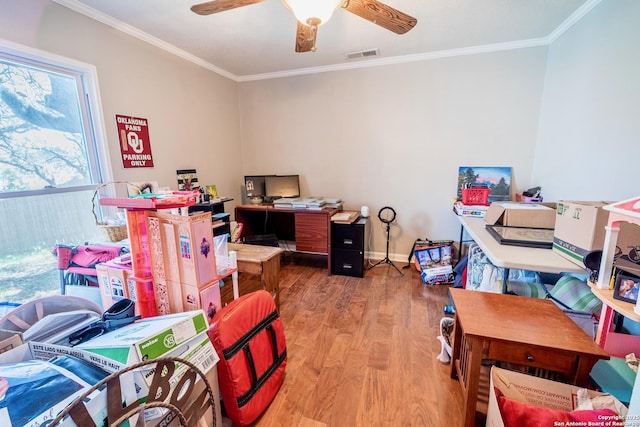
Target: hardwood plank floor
362	352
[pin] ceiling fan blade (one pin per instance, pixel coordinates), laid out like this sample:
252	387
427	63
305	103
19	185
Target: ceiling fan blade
220	6
305	38
382	15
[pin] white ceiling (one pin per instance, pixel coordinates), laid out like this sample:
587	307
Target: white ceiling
257	41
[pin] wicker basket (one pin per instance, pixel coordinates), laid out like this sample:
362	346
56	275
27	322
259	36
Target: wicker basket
114	233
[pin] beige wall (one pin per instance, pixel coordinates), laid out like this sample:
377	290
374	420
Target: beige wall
392	135
192	112
396	135
589	142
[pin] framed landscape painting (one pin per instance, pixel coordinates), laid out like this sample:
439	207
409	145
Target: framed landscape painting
497	178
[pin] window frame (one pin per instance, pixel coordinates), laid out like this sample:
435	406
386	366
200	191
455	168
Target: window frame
90	109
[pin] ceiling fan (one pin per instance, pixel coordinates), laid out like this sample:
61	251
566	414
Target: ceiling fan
313	13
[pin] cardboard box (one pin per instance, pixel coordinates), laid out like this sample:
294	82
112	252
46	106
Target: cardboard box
542	393
9	340
181	335
580	229
205	298
131	386
187	248
628	241
142	293
148	338
113	280
477	211
434	263
513	214
437	275
42	351
96	404
116	282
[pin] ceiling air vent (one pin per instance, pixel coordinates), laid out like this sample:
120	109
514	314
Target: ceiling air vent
369	53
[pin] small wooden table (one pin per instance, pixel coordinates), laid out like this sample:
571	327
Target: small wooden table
263	261
524	331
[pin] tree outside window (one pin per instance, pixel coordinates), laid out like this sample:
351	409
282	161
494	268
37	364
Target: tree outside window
49	168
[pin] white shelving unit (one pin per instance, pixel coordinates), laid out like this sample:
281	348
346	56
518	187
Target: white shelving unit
615	343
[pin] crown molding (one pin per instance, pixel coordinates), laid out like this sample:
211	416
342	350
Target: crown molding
575	17
401	59
83	9
521	44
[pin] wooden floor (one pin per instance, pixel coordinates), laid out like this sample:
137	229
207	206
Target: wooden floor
362	352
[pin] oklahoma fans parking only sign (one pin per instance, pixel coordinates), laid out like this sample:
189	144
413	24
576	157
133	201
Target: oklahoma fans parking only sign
133	133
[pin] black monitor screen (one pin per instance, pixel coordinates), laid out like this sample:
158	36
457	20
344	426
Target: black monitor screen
282	186
254	185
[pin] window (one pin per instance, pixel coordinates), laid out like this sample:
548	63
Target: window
52	156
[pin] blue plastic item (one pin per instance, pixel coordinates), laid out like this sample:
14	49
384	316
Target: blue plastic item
615	377
6	307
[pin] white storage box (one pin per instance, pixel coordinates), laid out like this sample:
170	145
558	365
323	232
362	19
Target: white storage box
513	214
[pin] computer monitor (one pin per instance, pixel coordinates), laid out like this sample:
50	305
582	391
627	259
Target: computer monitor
254	185
282	186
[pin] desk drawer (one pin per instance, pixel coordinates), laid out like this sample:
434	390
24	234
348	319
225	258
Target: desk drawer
347	263
539	357
312	233
348	236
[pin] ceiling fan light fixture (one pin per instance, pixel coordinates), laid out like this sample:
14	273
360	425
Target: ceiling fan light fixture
313	12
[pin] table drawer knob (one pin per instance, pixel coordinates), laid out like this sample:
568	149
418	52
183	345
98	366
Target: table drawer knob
530	358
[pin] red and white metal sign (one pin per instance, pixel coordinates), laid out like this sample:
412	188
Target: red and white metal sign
135	147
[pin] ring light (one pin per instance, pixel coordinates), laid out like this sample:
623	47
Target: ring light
387	215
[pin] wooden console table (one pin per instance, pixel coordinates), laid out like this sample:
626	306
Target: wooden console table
525	331
308	230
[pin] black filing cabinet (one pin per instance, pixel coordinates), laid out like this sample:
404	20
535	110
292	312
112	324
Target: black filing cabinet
347	248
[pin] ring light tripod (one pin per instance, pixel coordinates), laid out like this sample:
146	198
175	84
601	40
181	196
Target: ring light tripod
387	215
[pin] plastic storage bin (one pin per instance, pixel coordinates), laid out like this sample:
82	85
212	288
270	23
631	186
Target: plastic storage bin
221	250
475	196
526	199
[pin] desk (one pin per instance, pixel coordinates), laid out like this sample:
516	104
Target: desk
261	260
309	229
524	331
519	257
